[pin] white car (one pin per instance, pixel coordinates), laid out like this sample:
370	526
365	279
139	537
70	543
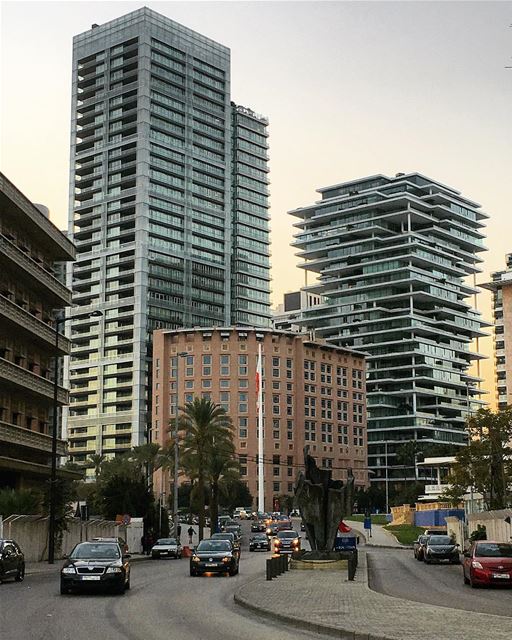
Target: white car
166	548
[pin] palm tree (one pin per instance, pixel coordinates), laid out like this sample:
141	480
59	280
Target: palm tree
95	460
147	456
206	429
223	468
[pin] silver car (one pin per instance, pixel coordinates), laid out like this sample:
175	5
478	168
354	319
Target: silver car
166	548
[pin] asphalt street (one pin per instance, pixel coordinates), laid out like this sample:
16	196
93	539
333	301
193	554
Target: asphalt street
397	573
164	603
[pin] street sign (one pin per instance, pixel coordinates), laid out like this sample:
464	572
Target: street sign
367	522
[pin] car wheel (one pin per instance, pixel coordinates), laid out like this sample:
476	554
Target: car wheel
120	590
232	572
466	581
193	573
426	560
21	574
63	590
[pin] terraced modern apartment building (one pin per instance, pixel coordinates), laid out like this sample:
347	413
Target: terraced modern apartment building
501	287
30	292
168	210
393	256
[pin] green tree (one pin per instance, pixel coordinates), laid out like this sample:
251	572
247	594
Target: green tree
20	502
222	469
235	493
485	464
122	488
206	427
94	461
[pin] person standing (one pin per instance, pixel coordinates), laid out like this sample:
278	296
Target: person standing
178	532
190	534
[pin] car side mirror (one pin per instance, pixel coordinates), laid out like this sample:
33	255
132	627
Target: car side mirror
127	556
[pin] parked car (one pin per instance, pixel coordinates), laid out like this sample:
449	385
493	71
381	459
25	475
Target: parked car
96	564
487	562
231	538
439	548
419	547
286	541
12	561
216	556
259	541
166	548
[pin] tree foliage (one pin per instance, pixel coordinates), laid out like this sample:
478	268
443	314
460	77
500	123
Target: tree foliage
486	463
208	435
20	502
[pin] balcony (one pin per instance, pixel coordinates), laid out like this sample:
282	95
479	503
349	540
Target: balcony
17	315
31	439
35	271
12	374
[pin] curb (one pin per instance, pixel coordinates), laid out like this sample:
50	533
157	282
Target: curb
301	623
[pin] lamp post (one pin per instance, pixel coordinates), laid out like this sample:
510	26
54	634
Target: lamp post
181	354
387	478
53	475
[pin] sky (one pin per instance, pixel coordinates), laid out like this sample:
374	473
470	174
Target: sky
350	88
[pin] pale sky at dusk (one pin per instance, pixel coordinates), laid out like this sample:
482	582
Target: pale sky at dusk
350	88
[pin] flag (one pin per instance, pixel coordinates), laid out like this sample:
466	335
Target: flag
344	528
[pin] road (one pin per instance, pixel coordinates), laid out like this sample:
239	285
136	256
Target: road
164	603
397	573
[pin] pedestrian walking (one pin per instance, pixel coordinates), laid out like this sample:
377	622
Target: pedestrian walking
178	532
149	543
190	532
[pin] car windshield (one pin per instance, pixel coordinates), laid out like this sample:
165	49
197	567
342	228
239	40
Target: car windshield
493	550
166	541
90	550
287	534
213	545
433	540
259	536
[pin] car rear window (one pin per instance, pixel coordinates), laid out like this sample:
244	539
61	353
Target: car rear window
166	541
493	550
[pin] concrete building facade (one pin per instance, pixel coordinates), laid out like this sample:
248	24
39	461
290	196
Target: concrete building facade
393	256
30	245
168	210
313	394
501	287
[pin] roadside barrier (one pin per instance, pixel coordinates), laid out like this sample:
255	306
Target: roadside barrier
276	566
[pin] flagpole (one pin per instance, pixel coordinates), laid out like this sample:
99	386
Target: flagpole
261	486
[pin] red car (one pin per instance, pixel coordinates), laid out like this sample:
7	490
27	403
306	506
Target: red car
488	563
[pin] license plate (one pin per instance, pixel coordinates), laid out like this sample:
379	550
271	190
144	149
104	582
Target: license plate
90	577
211	564
504	576
163	553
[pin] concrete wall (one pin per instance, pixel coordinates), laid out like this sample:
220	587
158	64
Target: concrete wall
31	533
494	522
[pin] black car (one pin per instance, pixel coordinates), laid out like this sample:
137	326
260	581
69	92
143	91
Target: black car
439	548
96	565
259	541
286	541
12	561
231	538
257	526
215	556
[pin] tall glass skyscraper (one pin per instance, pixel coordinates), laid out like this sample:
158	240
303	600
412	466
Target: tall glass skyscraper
168	210
393	256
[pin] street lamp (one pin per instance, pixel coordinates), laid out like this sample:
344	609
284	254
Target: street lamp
53	476
181	354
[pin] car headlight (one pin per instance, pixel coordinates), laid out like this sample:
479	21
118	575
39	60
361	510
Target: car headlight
69	570
195	559
295	542
114	570
477	565
226	559
269	531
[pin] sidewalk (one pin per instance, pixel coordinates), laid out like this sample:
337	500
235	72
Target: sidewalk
379	538
325	602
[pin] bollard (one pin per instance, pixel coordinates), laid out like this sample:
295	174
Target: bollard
352	564
269	569
286	566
